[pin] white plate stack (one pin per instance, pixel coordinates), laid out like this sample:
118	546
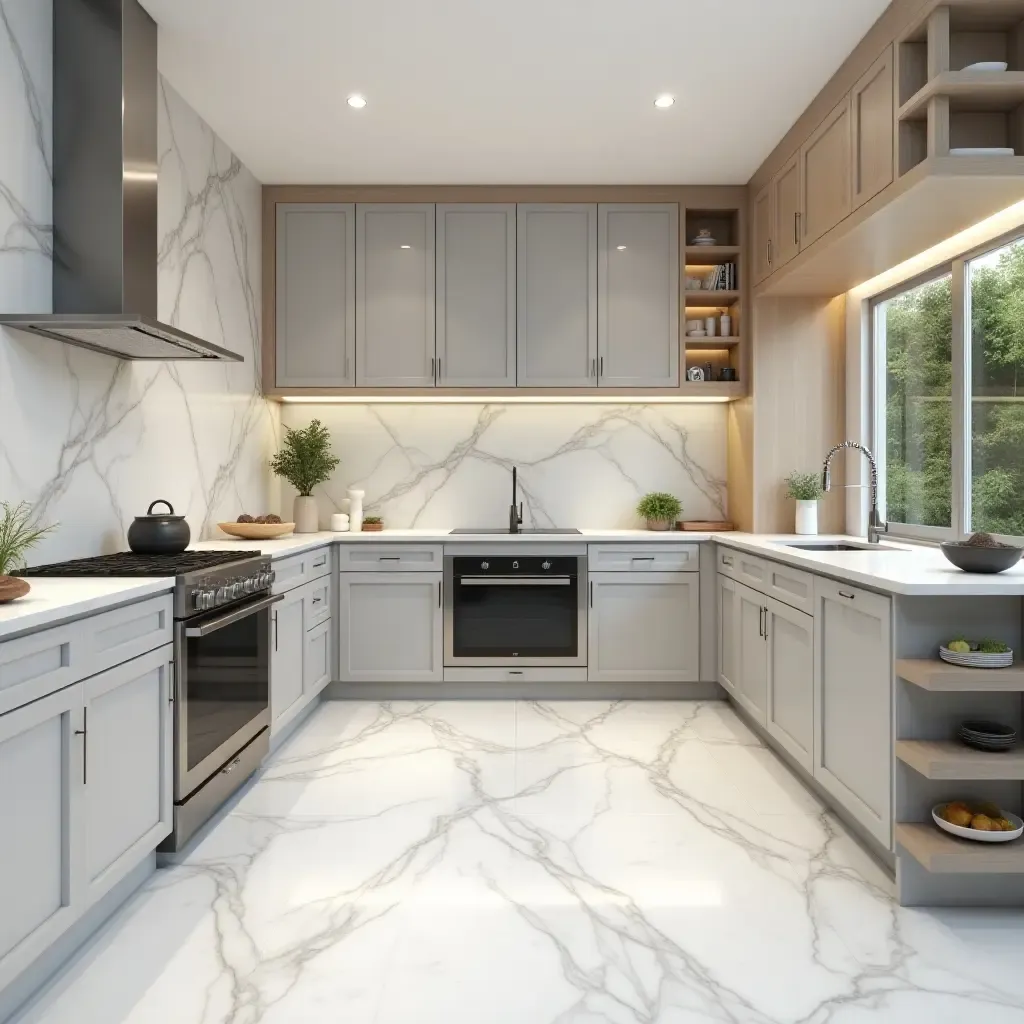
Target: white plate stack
975	659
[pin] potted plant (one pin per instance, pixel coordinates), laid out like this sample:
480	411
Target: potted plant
660	510
305	461
18	533
805	489
372	524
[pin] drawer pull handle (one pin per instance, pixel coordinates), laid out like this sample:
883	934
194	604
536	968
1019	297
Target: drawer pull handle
317	600
643	558
231	767
849	597
726	560
389	558
323	561
515	672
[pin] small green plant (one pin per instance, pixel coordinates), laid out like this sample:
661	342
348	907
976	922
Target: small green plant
988	646
372	520
18	533
659	506
306	458
804	486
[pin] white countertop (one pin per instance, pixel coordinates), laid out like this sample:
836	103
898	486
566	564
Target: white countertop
53	599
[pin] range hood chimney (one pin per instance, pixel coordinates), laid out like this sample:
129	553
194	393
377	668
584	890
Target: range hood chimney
105	85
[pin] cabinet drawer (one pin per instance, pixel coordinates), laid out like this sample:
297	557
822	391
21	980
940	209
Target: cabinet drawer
390	558
290	573
743	568
121	634
515	675
791	586
316	602
643	558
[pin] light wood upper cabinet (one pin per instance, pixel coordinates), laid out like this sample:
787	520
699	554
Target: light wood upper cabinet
762	234
316	311
872	110
395	295
826	195
557	295
476	295
638	295
786	213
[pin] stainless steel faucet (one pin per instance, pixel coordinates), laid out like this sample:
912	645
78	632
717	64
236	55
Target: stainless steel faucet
515	515
876	525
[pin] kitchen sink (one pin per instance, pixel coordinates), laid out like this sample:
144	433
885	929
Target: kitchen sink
840	547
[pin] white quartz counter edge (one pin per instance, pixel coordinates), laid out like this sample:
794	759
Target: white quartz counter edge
906	569
54	600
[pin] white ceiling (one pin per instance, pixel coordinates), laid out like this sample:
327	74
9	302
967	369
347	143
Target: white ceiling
504	91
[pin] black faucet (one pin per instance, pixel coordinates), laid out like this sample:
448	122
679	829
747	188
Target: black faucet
515	515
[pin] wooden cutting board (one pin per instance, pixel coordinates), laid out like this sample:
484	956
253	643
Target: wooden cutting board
705	526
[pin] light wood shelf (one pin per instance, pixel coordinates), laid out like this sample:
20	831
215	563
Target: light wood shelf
710	255
952	761
941	677
968	91
945	854
712	342
719	389
711	299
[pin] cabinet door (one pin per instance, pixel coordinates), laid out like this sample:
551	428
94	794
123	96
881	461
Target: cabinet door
853	702
391	627
557	295
790	707
316	660
638	295
316	307
762	221
752	681
644	627
872	111
786	212
728	633
825	175
395	295
41	761
286	657
129	767
476	295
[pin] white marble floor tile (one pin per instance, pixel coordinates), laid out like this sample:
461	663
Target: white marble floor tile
534	863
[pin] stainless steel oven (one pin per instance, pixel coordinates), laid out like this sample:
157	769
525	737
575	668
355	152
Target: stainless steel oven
516	605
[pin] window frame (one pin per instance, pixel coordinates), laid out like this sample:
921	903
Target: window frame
962	399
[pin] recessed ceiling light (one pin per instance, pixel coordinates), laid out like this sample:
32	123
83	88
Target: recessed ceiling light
357	101
406	246
663	102
620	247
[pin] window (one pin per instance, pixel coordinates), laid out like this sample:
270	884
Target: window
949	398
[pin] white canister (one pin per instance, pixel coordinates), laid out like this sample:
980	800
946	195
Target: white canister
711	326
807	518
339	522
307	519
355	510
726	325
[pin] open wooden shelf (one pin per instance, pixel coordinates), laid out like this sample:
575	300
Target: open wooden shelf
719	389
945	854
709	255
712	342
950	760
968	91
932	674
711	299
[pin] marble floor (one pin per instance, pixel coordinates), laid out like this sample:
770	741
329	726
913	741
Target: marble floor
525	863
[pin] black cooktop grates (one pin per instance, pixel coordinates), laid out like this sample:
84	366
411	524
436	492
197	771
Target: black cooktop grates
127	563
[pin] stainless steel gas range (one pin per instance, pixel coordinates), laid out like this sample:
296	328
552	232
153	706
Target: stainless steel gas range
222	604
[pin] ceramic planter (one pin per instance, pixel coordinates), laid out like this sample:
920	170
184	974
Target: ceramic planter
659	524
372	527
11	588
307	519
807	518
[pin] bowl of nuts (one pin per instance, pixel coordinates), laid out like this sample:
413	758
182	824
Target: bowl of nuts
257	528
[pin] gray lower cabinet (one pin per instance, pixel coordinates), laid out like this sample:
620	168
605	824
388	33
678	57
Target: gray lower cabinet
391	627
287	647
557	294
316	303
316	660
395	295
728	633
476	295
853	702
644	627
789	711
752	671
638	295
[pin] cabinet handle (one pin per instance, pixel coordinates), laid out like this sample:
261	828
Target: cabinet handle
275	632
438	593
84	733
769	247
600	368
593	367
323	561
515	671
591	593
317	600
766	625
796	228
389	558
760	622
433	368
438	377
726	560
849	597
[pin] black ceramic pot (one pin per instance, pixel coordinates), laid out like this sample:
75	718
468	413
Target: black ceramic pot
160	534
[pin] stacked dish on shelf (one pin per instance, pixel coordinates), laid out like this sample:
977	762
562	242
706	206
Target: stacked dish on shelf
988	736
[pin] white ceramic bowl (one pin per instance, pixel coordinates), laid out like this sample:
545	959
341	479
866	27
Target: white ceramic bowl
988	65
973	833
257	531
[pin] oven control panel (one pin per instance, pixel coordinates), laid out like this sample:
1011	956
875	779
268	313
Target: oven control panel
217	589
524	565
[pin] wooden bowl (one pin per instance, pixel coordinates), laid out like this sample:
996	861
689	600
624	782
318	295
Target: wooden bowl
257	531
11	588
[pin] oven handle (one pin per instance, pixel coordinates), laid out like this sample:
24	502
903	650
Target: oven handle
515	581
235	615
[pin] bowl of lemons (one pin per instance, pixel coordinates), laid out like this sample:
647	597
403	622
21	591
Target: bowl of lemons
981	822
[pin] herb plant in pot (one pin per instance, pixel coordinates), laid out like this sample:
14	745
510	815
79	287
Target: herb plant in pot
661	510
805	489
18	533
305	461
373	524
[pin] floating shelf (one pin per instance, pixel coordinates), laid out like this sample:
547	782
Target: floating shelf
711	299
945	854
712	342
952	761
709	255
939	676
968	91
718	389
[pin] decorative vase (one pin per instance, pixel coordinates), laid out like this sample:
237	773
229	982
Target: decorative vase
11	588
659	524
807	518
355	510
307	520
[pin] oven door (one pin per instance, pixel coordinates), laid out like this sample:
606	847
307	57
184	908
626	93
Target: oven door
222	689
519	619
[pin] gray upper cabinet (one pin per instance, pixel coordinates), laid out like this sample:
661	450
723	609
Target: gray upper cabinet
316	310
476	295
638	295
557	295
395	295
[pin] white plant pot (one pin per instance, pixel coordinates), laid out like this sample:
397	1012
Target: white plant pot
307	519
807	518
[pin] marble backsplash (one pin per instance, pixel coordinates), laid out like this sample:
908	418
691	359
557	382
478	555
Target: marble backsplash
579	465
89	440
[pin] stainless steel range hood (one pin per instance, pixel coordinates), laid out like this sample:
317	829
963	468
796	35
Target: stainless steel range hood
105	85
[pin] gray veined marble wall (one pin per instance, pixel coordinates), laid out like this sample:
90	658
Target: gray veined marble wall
579	465
90	440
